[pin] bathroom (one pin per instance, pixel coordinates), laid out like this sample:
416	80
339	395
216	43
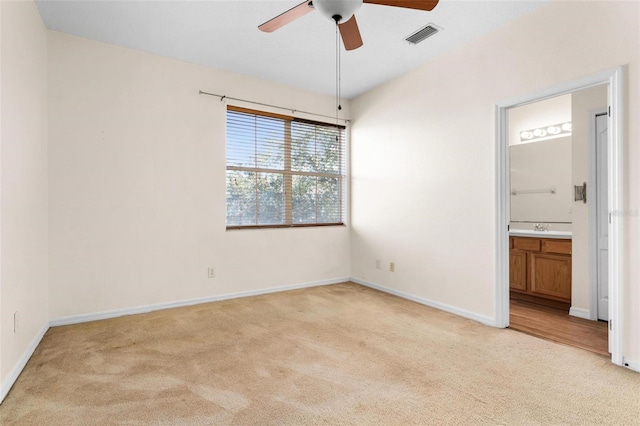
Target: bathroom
558	203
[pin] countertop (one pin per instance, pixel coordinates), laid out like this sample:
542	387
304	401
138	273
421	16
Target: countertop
540	234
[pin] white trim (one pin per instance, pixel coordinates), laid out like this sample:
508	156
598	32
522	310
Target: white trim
616	206
615	79
603	77
593	213
22	362
631	364
580	313
431	303
503	217
77	319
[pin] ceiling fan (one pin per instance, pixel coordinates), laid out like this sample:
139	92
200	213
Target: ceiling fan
342	13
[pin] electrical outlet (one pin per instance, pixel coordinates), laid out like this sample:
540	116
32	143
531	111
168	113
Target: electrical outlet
392	266
16	322
211	272
378	264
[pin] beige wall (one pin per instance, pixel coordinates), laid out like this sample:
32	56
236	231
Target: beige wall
423	169
584	103
23	182
137	184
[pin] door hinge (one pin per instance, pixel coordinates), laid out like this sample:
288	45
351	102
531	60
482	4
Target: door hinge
610	325
609	217
609	111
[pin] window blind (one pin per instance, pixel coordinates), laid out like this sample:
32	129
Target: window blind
283	171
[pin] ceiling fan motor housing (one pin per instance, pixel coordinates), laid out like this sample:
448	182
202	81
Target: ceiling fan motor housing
337	10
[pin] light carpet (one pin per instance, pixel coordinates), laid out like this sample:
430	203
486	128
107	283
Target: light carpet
339	354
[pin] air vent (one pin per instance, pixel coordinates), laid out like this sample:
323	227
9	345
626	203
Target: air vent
422	34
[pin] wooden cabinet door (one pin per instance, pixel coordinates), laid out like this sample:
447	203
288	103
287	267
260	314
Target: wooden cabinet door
518	270
550	276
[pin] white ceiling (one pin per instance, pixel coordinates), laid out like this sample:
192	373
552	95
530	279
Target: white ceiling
224	35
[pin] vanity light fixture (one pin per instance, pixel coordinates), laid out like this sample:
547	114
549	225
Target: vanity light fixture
546	132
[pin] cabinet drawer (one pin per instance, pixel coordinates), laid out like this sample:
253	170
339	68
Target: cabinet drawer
531	244
556	246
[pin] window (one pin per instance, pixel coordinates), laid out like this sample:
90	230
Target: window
283	171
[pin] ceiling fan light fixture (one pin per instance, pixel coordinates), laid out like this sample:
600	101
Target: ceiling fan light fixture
338	11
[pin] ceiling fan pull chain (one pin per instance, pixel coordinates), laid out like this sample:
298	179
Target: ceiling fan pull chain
338	77
339	72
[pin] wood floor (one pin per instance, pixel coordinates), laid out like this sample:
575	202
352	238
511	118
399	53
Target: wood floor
557	325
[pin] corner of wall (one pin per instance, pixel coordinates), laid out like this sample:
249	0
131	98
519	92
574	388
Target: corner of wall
23	187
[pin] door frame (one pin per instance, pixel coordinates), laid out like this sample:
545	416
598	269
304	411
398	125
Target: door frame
615	79
592	190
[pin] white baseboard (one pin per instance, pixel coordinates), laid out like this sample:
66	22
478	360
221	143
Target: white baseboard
22	362
77	319
580	313
631	364
431	303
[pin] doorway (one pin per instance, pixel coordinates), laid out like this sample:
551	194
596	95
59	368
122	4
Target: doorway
552	144
612	78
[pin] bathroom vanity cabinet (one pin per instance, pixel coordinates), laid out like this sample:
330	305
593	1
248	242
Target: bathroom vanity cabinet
540	270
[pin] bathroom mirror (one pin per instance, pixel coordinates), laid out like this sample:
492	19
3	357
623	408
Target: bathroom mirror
540	180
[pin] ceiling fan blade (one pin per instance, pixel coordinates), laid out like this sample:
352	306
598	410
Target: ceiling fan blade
408	4
287	17
350	34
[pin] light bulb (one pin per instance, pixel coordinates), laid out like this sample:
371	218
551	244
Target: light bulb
553	130
526	135
540	133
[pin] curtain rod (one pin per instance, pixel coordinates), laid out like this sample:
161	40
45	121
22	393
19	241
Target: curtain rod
223	97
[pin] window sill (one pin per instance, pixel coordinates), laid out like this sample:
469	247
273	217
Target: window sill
310	225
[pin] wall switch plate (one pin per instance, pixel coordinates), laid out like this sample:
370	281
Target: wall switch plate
211	272
378	264
392	266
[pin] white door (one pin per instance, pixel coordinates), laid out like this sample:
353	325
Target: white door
602	221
